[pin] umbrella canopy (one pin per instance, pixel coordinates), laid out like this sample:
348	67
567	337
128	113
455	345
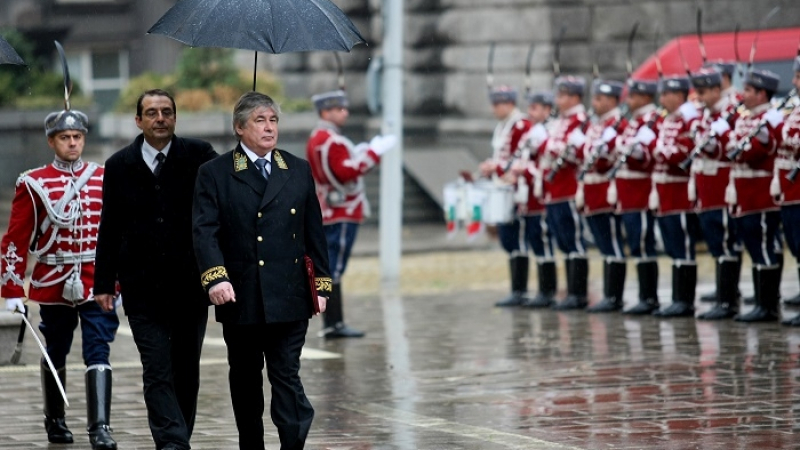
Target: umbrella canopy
8	55
272	26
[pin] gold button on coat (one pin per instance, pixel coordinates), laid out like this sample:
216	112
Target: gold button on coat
259	214
293	211
261	263
260	239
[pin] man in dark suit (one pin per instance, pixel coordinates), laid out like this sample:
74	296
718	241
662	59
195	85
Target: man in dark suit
145	243
255	218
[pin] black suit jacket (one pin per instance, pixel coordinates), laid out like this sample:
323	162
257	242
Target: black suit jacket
145	236
255	233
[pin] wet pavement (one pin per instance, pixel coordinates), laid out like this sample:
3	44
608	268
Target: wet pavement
441	368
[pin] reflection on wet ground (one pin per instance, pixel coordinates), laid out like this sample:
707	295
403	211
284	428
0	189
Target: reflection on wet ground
441	368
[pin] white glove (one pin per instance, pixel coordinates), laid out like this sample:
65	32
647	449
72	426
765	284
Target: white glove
537	135
600	146
689	111
576	138
608	134
773	117
13	304
720	126
382	144
763	135
645	136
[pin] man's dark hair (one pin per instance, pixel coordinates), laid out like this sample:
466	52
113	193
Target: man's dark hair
153	93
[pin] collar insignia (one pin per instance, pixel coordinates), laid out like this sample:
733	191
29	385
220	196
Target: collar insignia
279	160
239	161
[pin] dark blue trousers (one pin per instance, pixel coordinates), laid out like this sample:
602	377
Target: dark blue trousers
640	235
527	232
566	226
790	216
607	231
98	329
758	233
719	232
341	237
679	232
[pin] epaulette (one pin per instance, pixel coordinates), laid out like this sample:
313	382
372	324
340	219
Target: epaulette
21	177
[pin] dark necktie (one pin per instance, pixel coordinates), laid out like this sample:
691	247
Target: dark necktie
261	163
160	158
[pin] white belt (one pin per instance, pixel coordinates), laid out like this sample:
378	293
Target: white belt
785	164
739	172
60	259
661	177
632	174
594	178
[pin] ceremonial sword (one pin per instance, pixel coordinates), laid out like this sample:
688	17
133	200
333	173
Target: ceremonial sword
46	357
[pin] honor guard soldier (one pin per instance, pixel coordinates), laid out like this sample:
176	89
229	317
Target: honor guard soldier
752	145
674	210
632	185
710	172
788	162
559	164
55	216
599	212
537	234
507	139
338	168
726	70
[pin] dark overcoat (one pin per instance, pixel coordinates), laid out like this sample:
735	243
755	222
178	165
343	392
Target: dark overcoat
254	233
145	237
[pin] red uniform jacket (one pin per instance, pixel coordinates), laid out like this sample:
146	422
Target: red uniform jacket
633	181
62	236
673	146
711	170
596	158
752	169
337	167
789	157
564	184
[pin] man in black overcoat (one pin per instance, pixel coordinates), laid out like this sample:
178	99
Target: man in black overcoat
256	217
145	243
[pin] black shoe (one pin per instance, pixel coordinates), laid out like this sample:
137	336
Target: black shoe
641	308
570	303
340	330
718	312
100	438
757	314
539	301
515	299
711	297
57	431
676	309
605	305
793	322
792	301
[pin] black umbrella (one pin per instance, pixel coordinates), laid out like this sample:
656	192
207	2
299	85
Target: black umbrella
8	55
272	26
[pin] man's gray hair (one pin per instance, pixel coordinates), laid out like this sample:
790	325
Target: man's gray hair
248	103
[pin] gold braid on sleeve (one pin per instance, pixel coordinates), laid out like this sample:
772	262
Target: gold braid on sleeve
213	274
324	286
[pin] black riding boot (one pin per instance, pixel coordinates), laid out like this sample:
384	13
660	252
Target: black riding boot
54	422
518	266
577	279
98	407
728	290
547	286
712	297
333	317
684	283
647	272
613	286
767	286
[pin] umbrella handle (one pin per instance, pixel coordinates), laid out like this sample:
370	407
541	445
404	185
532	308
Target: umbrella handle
255	66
